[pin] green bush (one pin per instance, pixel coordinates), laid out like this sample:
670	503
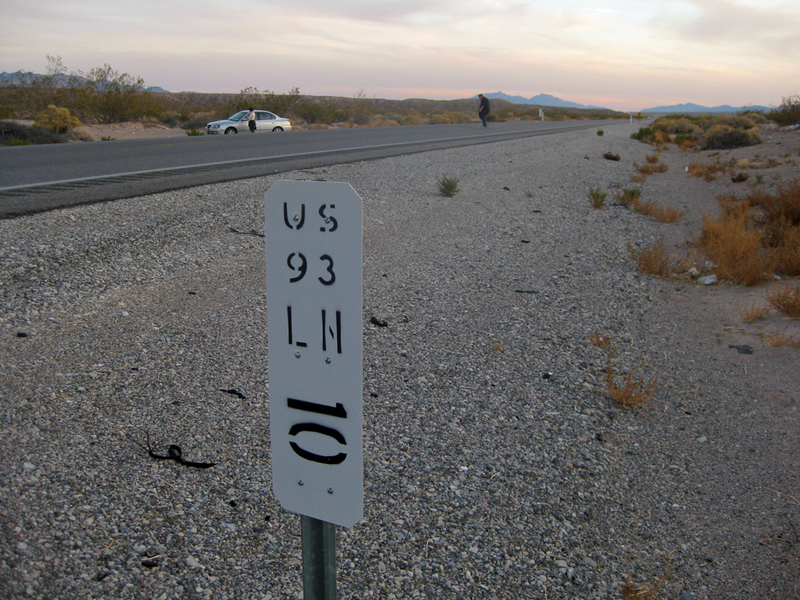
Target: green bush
645	134
788	113
57	120
448	186
597	197
723	137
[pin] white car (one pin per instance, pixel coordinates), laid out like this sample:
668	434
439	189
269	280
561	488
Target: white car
265	121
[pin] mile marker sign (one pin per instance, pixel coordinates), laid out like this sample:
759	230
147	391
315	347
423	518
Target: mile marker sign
313	247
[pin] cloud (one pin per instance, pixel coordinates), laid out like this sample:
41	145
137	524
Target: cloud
733	27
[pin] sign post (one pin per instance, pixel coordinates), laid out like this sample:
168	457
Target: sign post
313	251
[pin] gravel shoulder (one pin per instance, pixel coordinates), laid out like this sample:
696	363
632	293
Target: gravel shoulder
483	479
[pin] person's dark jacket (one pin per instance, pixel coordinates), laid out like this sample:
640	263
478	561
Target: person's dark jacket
484	108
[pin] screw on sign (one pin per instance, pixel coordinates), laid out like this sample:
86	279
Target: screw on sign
313	252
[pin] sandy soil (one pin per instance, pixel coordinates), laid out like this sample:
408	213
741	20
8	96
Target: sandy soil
128	131
772	369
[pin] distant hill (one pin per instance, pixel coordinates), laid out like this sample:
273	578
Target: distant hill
696	108
62	80
540	100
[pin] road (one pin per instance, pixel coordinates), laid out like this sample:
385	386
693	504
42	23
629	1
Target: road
39	178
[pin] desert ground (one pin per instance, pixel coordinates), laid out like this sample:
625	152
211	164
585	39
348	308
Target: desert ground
497	466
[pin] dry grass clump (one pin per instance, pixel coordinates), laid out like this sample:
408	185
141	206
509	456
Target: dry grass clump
735	245
755	236
630	392
709	172
599	340
778	216
632	198
665	214
786	300
646	591
775	339
640	591
650	168
653	260
753	313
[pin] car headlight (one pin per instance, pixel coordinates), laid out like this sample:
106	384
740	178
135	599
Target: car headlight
214	126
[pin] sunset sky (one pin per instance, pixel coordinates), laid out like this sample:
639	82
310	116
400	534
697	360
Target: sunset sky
622	54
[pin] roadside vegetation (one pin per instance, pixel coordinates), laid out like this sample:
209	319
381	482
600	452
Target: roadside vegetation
104	95
754	237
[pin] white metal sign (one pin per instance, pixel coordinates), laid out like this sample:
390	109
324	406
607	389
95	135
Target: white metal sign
313	248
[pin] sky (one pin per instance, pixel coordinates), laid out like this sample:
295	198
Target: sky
621	54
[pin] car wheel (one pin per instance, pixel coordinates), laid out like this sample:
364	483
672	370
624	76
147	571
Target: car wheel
277	129
231	130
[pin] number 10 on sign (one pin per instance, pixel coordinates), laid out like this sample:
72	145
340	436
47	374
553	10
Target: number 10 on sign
313	250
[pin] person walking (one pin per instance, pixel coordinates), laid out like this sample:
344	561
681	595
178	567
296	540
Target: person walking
483	111
251	121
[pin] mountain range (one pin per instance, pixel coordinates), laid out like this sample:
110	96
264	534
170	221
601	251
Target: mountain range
540	100
696	108
548	100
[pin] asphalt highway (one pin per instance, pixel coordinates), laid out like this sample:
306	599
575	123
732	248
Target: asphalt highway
39	178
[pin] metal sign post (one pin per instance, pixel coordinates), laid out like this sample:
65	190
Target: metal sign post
313	251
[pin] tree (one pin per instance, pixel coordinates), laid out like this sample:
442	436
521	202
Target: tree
109	96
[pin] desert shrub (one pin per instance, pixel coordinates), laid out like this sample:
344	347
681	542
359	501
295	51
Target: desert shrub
734	244
783	204
629	196
775	339
788	113
645	134
661	137
340	115
786	300
631	392
664	214
653	260
449	117
737	122
414	120
57	120
683	127
448	186
14	134
314	112
710	171
383	122
753	313
779	218
198	122
685	141
723	137
597	197
757	117
611	156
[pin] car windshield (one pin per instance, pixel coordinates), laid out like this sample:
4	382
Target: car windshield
239	116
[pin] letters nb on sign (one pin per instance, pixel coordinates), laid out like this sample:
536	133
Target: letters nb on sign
313	250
